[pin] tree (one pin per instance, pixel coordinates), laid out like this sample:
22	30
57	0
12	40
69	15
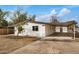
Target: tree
3	16
33	17
3	23
19	16
10	23
19	29
54	19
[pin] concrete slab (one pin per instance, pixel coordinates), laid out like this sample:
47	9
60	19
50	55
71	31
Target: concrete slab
57	38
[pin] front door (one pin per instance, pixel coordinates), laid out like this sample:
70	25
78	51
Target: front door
61	30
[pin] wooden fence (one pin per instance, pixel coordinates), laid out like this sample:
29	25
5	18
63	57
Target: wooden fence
6	30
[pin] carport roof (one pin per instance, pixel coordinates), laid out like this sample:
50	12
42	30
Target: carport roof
64	23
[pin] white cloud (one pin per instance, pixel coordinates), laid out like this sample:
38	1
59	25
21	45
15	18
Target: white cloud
53	12
43	17
63	12
46	17
60	13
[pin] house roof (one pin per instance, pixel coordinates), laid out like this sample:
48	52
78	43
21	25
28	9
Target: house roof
56	23
38	22
52	23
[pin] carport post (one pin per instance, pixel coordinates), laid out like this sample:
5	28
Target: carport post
74	32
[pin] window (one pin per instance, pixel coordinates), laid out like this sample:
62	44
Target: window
64	29
34	28
57	29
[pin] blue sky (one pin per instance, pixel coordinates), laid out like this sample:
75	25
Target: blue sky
44	12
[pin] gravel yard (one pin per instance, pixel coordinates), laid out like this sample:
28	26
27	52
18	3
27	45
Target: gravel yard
11	43
50	47
31	45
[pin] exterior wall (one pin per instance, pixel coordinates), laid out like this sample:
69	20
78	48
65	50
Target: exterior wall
27	30
49	29
15	31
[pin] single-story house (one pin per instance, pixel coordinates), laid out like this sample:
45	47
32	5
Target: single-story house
43	29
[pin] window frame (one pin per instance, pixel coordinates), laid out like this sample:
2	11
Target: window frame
35	28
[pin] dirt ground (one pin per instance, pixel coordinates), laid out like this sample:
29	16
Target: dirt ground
11	43
32	45
50	47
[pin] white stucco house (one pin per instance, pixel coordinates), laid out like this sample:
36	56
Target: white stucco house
43	29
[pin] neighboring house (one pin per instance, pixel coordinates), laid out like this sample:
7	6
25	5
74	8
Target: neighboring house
42	29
